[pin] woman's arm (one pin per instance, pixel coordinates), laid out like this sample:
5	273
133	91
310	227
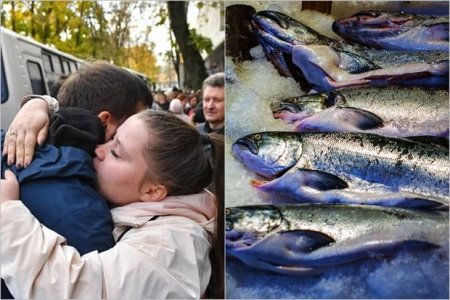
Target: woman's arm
36	264
30	126
155	262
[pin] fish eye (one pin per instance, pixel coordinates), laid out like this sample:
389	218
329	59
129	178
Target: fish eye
228	225
227	211
257	136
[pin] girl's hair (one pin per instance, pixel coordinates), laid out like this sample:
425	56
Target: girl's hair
186	162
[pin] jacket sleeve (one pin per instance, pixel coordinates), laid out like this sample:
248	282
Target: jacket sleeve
158	263
37	264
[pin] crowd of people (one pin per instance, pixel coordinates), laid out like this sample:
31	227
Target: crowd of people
121	198
204	108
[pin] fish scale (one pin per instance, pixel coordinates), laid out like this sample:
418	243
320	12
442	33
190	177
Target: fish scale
378	160
357	158
310	238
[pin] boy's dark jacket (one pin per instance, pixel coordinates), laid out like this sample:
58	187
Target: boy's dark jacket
59	186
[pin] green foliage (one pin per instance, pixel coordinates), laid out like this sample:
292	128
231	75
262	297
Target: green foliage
201	43
86	29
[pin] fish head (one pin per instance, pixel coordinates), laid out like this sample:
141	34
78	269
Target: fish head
245	225
368	25
307	105
284	29
268	154
278	33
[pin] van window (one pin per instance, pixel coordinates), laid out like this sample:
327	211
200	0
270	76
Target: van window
48	65
37	80
65	66
73	67
57	64
3	85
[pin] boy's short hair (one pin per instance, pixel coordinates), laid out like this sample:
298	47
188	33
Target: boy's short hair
101	86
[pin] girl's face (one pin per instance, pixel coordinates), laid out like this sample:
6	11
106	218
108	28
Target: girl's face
120	163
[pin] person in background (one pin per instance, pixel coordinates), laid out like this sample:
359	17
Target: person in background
154	173
176	107
161	100
190	105
198	116
57	86
172	94
213	104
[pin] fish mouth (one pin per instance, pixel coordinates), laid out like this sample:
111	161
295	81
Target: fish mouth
275	25
237	240
246	144
273	31
278	107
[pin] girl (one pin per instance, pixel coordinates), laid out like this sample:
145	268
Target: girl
154	173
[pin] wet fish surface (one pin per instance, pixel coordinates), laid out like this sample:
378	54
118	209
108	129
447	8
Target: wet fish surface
391	111
395	30
307	164
312	238
323	64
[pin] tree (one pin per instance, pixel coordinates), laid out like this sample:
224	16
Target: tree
192	59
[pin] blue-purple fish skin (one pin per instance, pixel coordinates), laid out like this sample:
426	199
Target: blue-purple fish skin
310	239
364	161
395	30
391	111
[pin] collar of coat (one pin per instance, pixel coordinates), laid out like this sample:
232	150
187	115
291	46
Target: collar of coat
200	208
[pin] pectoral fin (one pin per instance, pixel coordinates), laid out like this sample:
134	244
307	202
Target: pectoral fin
280	247
440	31
292	182
340	119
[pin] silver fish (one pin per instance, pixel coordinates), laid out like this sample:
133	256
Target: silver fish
395	30
390	111
323	64
309	239
348	168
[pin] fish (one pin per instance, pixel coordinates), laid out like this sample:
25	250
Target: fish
307	239
320	63
347	167
395	30
393	111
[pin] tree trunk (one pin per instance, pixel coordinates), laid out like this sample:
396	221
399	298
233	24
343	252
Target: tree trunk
13	16
33	29
80	26
175	56
193	63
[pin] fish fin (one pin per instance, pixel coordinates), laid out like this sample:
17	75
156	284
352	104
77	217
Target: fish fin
303	241
431	140
317	180
354	63
440	30
301	183
278	252
386	199
256	182
361	118
287	244
262	264
340	118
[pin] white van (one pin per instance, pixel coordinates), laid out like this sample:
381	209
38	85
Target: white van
29	67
